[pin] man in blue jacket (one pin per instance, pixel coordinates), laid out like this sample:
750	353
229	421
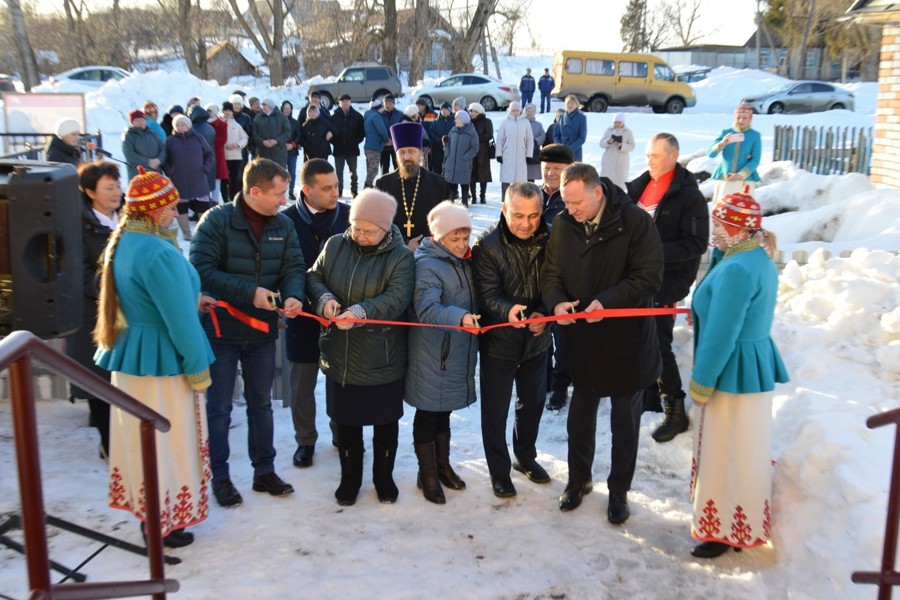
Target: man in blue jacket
526	87
317	215
247	254
572	128
376	137
545	86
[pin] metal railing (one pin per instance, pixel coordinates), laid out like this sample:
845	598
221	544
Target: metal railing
30	146
17	352
825	150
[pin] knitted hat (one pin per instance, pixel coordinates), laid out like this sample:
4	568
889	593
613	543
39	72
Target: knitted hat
408	134
557	153
446	105
269	102
236	99
619	118
411	110
179	119
739	209
136	114
389	98
476	107
175	109
463	116
148	105
514	105
149	191
375	103
212	109
66	126
447	217
228	106
374	206
459	101
422	102
252	100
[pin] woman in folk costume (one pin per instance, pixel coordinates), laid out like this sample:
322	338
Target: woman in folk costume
739	149
736	367
149	336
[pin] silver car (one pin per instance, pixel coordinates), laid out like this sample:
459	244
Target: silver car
492	93
801	97
94	75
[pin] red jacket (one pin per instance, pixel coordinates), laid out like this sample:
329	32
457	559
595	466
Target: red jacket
221	129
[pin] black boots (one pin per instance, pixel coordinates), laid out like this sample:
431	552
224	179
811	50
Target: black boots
676	420
427	479
446	475
351	474
711	549
383	473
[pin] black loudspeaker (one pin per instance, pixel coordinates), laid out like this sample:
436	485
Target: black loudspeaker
41	287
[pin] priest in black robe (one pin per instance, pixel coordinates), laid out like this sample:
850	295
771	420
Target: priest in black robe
417	190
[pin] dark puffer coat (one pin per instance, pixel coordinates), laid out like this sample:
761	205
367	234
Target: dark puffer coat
481	168
57	150
189	162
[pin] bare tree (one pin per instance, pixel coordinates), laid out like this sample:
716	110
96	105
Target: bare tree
799	62
420	46
389	41
463	48
683	17
27	60
270	47
194	56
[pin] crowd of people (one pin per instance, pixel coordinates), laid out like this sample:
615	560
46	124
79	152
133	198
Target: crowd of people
399	252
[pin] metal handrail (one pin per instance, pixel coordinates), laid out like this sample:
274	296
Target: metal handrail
16	353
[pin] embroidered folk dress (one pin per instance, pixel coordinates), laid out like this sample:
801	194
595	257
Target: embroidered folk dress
736	366
160	358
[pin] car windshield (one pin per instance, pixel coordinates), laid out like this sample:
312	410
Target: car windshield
780	89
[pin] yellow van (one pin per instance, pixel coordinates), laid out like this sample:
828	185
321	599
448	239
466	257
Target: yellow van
603	79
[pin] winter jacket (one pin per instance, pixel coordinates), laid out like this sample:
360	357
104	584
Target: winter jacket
221	129
508	272
156	128
56	150
349	132
460	153
481	169
189	161
515	143
312	138
534	165
273	126
200	123
738	157
294	142
301	116
391	118
736	355
546	84
682	220
232	263
616	157
243	119
236	135
553	205
621	266
374	281
441	374
439	128
139	146
572	131
376	131
313	230
526	85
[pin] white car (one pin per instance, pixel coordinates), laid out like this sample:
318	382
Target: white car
94	75
492	93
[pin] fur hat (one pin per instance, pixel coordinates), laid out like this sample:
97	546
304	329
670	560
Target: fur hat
181	118
236	99
374	206
476	107
408	134
148	191
739	209
66	126
463	116
447	217
411	110
557	153
136	114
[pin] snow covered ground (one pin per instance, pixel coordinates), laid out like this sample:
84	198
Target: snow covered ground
837	325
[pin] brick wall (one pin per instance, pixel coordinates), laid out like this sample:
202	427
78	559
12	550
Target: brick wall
885	171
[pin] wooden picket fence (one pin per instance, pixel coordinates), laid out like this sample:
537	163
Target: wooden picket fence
825	150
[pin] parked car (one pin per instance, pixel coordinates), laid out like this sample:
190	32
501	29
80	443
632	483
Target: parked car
94	75
492	93
363	81
801	97
6	83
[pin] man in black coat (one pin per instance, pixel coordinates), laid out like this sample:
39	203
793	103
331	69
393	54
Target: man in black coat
604	252
507	261
349	131
317	216
668	192
417	190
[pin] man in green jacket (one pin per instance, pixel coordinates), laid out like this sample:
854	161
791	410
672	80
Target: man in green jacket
248	254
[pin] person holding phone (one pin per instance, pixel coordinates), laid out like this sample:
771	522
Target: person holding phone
739	149
617	143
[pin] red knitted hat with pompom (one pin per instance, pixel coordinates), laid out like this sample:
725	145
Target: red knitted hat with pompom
739	209
148	191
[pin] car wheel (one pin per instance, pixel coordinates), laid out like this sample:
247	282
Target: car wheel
489	103
598	104
837	106
428	101
326	100
675	106
658	109
776	109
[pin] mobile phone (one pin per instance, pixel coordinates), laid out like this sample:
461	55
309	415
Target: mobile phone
736	137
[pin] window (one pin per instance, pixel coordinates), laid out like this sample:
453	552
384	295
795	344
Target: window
600	67
822	88
451	81
353	75
472	80
574	66
378	74
802	88
663	73
628	68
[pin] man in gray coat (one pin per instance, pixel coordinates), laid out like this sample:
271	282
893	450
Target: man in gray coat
270	133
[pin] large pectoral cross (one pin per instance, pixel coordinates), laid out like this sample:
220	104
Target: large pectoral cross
409	227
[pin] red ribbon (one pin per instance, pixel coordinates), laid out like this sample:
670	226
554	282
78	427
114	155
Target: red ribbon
606	313
240	316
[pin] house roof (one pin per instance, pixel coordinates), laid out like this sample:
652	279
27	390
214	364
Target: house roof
878	11
227	46
703	48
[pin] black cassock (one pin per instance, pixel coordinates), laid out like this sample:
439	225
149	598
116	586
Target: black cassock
432	191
